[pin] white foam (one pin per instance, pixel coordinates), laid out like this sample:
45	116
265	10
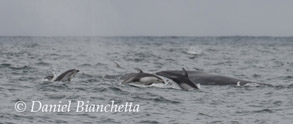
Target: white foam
238	83
193	50
198	86
252	84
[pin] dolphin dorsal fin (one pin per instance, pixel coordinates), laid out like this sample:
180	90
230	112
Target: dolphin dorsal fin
139	70
185	72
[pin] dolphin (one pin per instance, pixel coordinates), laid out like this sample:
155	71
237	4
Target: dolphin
212	79
65	76
182	80
141	78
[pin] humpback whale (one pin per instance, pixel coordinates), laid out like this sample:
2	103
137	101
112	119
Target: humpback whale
65	76
211	79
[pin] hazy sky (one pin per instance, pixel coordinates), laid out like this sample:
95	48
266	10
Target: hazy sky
146	17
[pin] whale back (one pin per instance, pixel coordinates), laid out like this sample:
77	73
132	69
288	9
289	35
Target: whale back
204	78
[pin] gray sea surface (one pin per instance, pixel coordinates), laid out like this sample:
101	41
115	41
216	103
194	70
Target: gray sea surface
24	61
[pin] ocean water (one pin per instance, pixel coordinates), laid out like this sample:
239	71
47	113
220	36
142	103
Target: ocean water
24	61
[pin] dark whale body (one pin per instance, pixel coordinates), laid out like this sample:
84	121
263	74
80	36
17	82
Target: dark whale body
210	79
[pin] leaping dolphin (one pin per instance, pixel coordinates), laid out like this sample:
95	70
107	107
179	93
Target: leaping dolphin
65	76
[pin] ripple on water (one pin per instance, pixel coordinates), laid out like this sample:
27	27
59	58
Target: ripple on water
22	69
56	96
99	89
157	99
118	90
263	111
85	65
86	76
52	86
42	63
5	65
148	122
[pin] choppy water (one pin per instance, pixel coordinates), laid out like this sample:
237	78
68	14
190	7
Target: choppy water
24	61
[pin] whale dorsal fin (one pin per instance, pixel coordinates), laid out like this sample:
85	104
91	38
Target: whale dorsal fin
185	72
139	70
